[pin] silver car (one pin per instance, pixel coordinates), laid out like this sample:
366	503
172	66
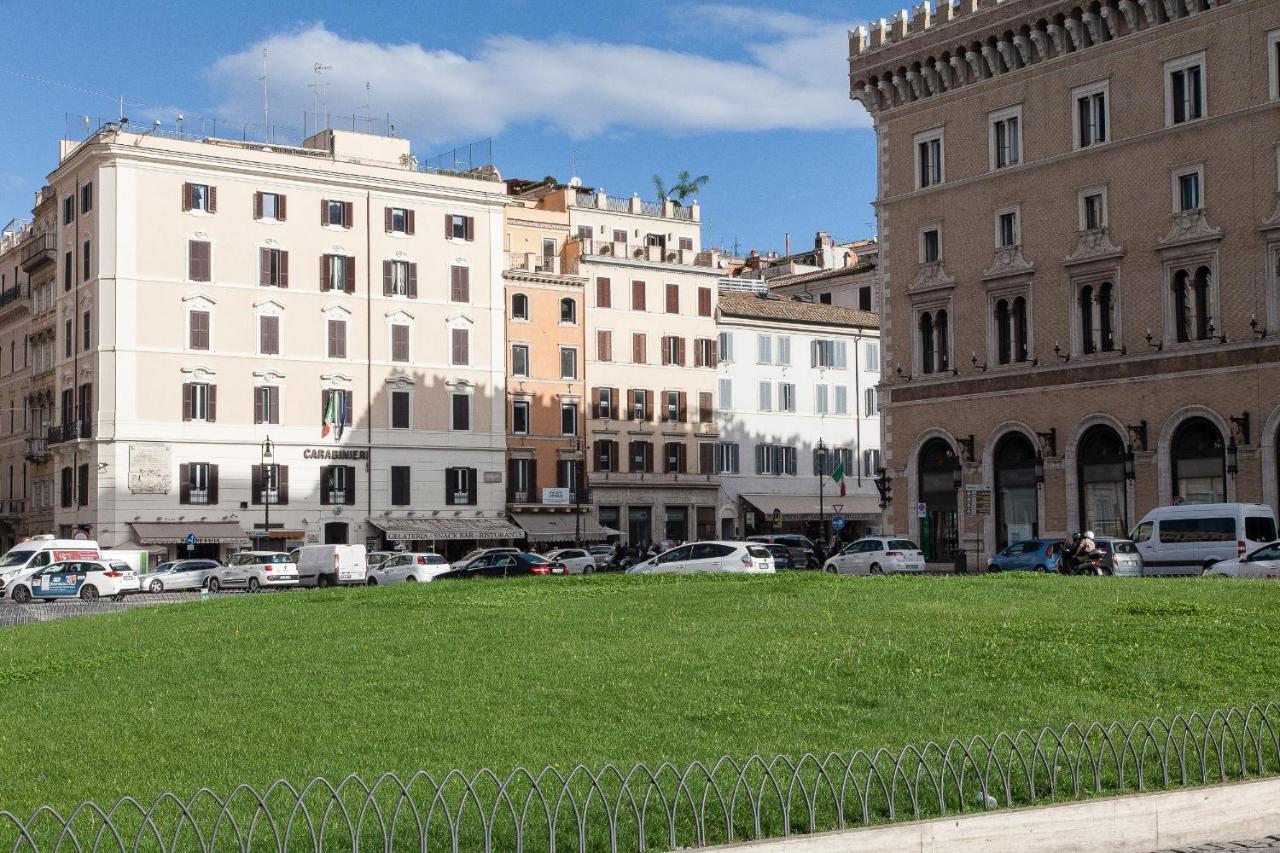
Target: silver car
255	570
178	575
410	568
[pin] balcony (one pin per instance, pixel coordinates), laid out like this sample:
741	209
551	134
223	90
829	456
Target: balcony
70	432
12	507
639	252
535	262
36	251
667	209
14	296
37	449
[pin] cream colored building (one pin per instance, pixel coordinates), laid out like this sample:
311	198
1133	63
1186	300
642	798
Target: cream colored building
210	294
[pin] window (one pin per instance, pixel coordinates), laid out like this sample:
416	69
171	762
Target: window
68	269
68	216
820	406
704	302
337	484
827	463
1011	330
1006	138
199	260
673	298
568	310
337	338
641	404
619	235
639	348
520	417
637	296
399	343
933	341
764	349
641	456
398	220
69	339
871	354
340	399
871	404
1187	194
519	359
673	350
930	245
269	334
726	395
1097	317
704	352
568	418
1184	89
775	459
824	298
706	408
66	476
198	324
1273	60
766	397
786	397
604	345
460	412
726	457
86	198
672	408
606	455
400	278
458	227
725	348
673	457
400	488
269	206
1193	299
1007	232
1093	209
200	197
199	401
871	461
273	268
784	349
686	244
1092	117
86	258
568	362
824	353
604	402
460	346
336	214
400	407
266	404
338	272
604	294
82	485
519	306
459	284
864	298
459	486
929	159
198	483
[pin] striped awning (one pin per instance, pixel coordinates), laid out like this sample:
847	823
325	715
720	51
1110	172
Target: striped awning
447	529
174	532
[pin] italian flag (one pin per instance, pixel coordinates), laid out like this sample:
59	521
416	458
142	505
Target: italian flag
838	476
329	418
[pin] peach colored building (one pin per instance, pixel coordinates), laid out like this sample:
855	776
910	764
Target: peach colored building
1079	226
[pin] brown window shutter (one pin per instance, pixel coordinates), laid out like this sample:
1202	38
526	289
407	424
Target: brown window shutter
471	227
284	269
255	484
348	214
704	407
448	225
680	352
637	296
258	414
325	283
682	458
351	485
408	222
280	206
648	405
213	403
603	297
186	401
213	199
635	348
282	484
614	403
257	205
325	494
386	219
213	484
264	267
413	281
461	347
350	263
595	403
666	349
697	353
186	197
273	412
704	301
682	407
324	211
386	278
706	457
184	483
346	397
673	299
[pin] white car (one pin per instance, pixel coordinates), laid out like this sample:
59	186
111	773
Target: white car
254	570
579	561
1262	563
877	555
411	568
87	580
705	557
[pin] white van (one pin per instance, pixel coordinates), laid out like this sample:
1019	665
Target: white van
331	565
1187	539
39	551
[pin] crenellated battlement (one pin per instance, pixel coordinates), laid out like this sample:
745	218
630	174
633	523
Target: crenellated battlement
922	17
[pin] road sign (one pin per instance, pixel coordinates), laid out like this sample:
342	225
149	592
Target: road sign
80	533
922	510
977	500
837	508
1179	500
837	523
191	540
777	517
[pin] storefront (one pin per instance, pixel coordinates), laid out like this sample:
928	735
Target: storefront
450	537
213	540
545	531
807	515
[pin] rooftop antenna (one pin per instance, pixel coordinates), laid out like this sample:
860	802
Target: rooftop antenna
573	165
368	120
263	78
316	93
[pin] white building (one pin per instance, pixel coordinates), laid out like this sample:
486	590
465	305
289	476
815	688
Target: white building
796	379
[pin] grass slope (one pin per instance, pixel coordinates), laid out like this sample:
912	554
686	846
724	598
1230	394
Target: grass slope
622	669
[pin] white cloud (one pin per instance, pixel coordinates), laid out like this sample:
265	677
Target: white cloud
789	76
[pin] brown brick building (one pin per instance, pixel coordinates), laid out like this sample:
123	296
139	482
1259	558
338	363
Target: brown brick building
1079	215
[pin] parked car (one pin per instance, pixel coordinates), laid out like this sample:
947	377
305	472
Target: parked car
410	568
1120	557
39	551
601	554
503	564
87	580
376	557
1028	555
707	557
877	555
254	570
331	565
803	555
781	556
579	561
1187	539
178	575
475	555
1262	562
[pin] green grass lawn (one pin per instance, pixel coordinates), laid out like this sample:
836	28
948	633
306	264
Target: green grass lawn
602	669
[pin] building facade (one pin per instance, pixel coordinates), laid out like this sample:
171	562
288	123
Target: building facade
1079	225
348	305
796	392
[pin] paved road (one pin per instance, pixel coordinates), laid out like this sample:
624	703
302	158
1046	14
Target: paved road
25	614
1270	843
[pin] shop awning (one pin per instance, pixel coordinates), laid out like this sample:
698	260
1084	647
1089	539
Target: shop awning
174	532
559	527
805	507
447	529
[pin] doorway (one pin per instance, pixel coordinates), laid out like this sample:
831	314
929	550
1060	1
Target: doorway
939	468
336	533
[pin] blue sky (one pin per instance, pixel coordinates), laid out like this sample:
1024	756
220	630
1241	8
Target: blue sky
751	94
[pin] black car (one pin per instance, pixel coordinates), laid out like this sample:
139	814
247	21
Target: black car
781	556
505	565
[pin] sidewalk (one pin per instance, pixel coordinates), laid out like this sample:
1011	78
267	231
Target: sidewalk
1270	843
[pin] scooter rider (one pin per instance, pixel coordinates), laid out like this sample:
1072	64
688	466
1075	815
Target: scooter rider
1081	550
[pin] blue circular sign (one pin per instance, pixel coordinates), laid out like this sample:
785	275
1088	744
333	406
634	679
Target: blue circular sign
837	522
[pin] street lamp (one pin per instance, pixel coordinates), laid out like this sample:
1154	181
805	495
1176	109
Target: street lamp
580	473
268	478
822	482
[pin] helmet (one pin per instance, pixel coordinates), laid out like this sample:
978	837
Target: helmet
1088	534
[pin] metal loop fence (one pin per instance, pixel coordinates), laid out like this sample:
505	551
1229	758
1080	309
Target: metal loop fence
666	807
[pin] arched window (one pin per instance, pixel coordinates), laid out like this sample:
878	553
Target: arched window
568	310
1017	510
1100	469
938	470
1204	320
1020	346
943	345
1004	333
926	342
1181	306
1199	462
1088	344
519	306
1106	318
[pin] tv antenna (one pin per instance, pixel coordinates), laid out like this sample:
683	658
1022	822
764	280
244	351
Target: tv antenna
318	96
263	78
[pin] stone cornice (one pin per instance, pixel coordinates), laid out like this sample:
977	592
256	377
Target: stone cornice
1008	261
1187	228
1093	245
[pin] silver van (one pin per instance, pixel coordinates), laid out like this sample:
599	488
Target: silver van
1187	539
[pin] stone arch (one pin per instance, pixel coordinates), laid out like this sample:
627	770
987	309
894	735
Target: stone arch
913	479
989	475
1071	468
1268	458
1164	445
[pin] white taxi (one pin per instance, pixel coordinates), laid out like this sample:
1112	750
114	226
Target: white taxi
877	555
87	580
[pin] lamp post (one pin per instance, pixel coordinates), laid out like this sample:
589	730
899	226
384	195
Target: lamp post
268	478
578	480
822	482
